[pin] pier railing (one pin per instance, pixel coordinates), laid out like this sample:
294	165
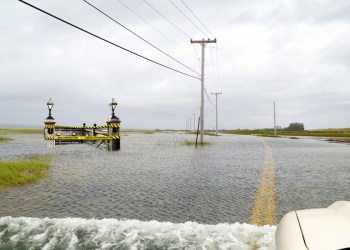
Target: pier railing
61	134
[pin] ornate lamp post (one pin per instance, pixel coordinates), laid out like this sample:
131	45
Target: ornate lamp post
113	105
113	124
50	105
50	122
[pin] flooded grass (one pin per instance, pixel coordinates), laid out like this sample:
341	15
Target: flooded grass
192	143
339	140
20	131
5	138
265	135
23	171
139	131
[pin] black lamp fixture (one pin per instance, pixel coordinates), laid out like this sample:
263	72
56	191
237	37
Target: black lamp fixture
50	105
113	105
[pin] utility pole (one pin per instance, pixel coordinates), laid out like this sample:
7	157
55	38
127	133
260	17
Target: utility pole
216	109
274	117
203	43
194	122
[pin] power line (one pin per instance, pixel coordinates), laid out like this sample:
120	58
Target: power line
249	51
282	80
212	63
195	51
149	24
215	69
139	36
107	41
197	18
207	113
217	61
188	18
206	93
167	19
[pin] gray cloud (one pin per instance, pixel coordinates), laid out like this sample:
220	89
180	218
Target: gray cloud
291	52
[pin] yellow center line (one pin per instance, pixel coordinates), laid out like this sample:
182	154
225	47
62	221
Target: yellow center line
264	208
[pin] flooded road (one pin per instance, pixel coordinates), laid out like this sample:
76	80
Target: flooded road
157	177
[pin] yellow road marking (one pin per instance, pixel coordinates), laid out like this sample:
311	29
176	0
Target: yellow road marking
264	208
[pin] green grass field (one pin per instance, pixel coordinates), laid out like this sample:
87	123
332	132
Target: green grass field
25	171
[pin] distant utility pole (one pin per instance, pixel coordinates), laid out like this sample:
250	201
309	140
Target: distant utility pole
216	109
194	122
274	116
203	43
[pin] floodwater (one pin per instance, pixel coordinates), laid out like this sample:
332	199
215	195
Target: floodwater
160	193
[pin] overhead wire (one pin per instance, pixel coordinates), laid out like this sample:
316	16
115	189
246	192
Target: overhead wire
197	18
187	18
107	41
212	63
166	19
198	59
139	36
210	111
203	34
157	30
215	70
217	61
205	90
250	51
283	80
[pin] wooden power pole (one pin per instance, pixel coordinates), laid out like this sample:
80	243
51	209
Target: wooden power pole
202	42
274	117
216	109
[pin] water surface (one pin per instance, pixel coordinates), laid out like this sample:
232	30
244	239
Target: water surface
155	177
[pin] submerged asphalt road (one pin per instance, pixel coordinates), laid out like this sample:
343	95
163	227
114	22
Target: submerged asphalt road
156	177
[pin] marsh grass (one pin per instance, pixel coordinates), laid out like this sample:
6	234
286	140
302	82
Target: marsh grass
265	135
20	131
5	138
342	132
339	140
139	131
23	171
191	143
210	134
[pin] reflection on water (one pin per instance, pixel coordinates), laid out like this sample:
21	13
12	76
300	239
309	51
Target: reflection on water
156	177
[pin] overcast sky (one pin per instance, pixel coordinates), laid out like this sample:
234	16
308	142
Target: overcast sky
293	52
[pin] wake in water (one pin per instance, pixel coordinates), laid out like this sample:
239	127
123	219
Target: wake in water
77	233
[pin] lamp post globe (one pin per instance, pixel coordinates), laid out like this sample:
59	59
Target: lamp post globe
113	105
50	105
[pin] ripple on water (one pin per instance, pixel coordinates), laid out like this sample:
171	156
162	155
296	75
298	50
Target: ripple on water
156	177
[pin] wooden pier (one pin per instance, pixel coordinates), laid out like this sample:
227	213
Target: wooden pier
107	134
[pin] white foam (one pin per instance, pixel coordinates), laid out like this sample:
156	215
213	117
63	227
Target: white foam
77	233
